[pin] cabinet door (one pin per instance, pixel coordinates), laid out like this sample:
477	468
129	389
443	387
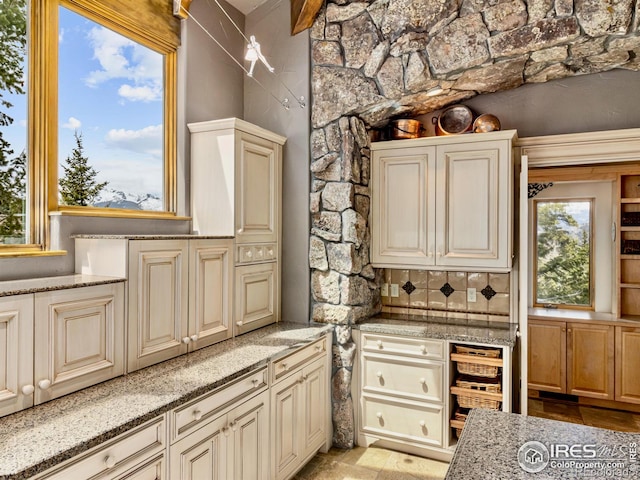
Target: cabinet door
627	364
250	451
210	292
79	339
256	296
158	306
473	225
203	455
547	356
403	209
257	189
590	360
316	402
16	353
287	434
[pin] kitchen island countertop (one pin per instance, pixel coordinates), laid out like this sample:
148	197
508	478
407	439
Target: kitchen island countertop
491	441
446	328
38	438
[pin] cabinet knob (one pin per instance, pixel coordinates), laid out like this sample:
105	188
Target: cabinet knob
318	347
249	254
379	374
255	382
283	366
379	343
28	389
422	424
226	431
429	254
239	323
197	414
438	253
379	414
423	381
270	252
423	349
44	384
234	426
109	461
194	338
186	340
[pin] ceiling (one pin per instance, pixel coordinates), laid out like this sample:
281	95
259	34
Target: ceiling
246	6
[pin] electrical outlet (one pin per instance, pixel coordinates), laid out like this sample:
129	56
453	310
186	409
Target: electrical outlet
395	291
384	291
471	295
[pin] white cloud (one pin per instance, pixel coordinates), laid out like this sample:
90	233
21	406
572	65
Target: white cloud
147	140
72	124
61	36
124	59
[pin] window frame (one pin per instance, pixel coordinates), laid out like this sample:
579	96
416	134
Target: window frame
42	118
592	239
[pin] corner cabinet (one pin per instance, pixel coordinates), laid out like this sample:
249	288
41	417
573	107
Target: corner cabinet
443	201
236	172
179	291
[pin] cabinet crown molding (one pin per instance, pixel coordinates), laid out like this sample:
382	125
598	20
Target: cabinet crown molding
236	124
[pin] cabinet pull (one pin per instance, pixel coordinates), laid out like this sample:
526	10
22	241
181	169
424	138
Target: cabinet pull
44	384
423	381
194	338
379	414
197	414
249	254
239	323
283	366
186	340
319	347
423	349
379	374
233	425
225	431
109	461
379	343
28	389
255	382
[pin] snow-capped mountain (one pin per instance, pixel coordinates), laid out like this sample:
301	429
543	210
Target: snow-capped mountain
110	198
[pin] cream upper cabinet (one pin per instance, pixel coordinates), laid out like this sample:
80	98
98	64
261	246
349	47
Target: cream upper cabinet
443	202
179	291
16	360
235	180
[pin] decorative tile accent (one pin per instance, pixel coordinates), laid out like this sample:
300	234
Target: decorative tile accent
488	292
535	188
408	287
446	289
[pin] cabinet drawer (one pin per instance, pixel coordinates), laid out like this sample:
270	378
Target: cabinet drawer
398	376
406	421
194	414
256	253
119	455
289	363
415	347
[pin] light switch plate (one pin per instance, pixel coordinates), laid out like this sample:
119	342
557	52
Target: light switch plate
395	291
471	295
384	290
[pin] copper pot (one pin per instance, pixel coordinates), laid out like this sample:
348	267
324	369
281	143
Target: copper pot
405	128
453	120
486	123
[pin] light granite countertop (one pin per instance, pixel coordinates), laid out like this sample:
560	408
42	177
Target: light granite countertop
184	236
38	438
493	444
447	328
35	285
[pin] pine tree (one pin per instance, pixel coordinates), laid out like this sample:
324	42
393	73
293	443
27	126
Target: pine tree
78	186
13	190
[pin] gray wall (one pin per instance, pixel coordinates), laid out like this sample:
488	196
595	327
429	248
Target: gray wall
290	58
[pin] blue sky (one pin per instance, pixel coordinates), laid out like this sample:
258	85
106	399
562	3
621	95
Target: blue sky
110	90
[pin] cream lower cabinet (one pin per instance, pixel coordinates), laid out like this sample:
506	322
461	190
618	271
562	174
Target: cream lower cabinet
179	291
400	384
256	296
138	454
443	202
300	411
224	434
59	342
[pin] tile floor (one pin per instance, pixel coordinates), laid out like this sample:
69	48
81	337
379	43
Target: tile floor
371	464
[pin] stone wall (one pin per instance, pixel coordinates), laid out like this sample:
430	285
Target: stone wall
376	60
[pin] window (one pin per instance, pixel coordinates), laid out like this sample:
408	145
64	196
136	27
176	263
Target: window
123	139
563	252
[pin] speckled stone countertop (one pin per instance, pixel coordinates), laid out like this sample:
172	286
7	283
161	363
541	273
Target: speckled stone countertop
38	438
34	285
447	328
185	236
491	441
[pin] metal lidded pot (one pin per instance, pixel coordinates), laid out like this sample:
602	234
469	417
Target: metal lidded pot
453	120
403	128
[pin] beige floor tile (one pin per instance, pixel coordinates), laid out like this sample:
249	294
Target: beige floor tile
342	471
415	467
371	458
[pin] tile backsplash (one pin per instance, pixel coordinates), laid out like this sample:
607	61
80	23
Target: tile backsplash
447	291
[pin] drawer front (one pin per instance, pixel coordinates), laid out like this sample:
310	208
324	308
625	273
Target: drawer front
398	376
186	418
404	421
121	454
289	363
154	469
406	346
256	253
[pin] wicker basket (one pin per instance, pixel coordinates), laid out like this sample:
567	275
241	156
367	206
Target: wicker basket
476	369
478	393
460	415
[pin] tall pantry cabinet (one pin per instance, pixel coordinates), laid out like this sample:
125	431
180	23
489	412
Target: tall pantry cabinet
236	171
